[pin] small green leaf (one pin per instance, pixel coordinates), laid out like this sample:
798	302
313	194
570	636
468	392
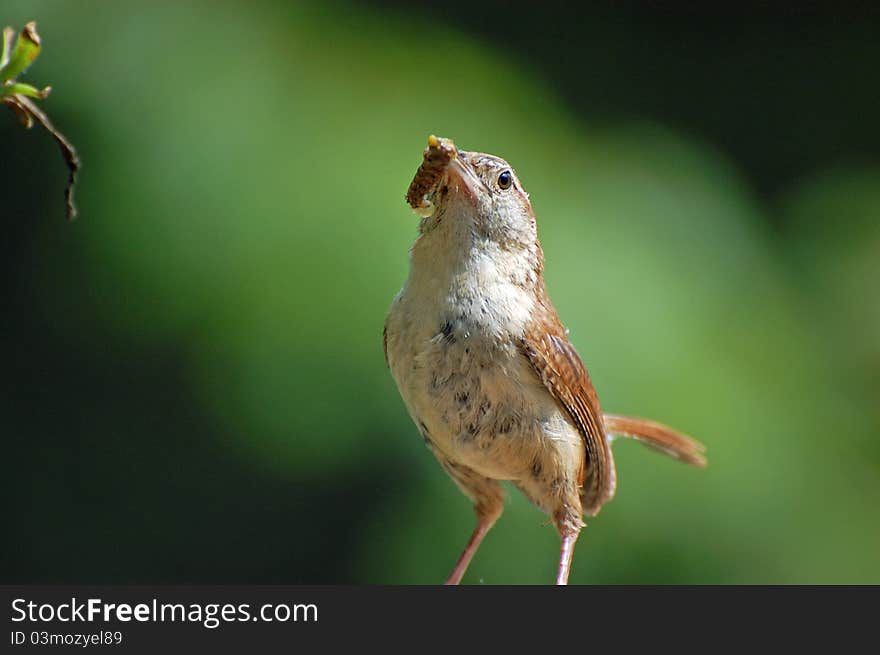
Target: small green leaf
27	48
25	90
8	35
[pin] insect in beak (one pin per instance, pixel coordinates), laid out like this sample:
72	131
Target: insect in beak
443	164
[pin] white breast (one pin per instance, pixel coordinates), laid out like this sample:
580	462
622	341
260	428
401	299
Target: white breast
452	343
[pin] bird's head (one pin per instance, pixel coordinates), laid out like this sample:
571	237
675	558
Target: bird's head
471	194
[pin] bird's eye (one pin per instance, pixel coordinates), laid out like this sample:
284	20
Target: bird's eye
505	180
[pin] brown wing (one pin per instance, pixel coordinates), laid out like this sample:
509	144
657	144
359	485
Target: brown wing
559	367
385	344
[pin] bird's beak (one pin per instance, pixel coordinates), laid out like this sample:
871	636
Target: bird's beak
443	162
461	177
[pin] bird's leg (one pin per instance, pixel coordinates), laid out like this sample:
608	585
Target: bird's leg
486	517
568	523
568	541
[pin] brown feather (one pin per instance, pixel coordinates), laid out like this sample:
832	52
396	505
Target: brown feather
560	368
659	437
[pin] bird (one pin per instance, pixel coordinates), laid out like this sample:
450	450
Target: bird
485	366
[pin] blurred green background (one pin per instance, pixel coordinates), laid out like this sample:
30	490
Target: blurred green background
195	389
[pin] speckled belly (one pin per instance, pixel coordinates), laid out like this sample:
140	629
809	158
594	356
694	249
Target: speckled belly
481	405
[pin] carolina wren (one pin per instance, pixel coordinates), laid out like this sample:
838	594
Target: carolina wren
483	362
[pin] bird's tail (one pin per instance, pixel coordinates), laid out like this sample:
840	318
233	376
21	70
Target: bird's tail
657	436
